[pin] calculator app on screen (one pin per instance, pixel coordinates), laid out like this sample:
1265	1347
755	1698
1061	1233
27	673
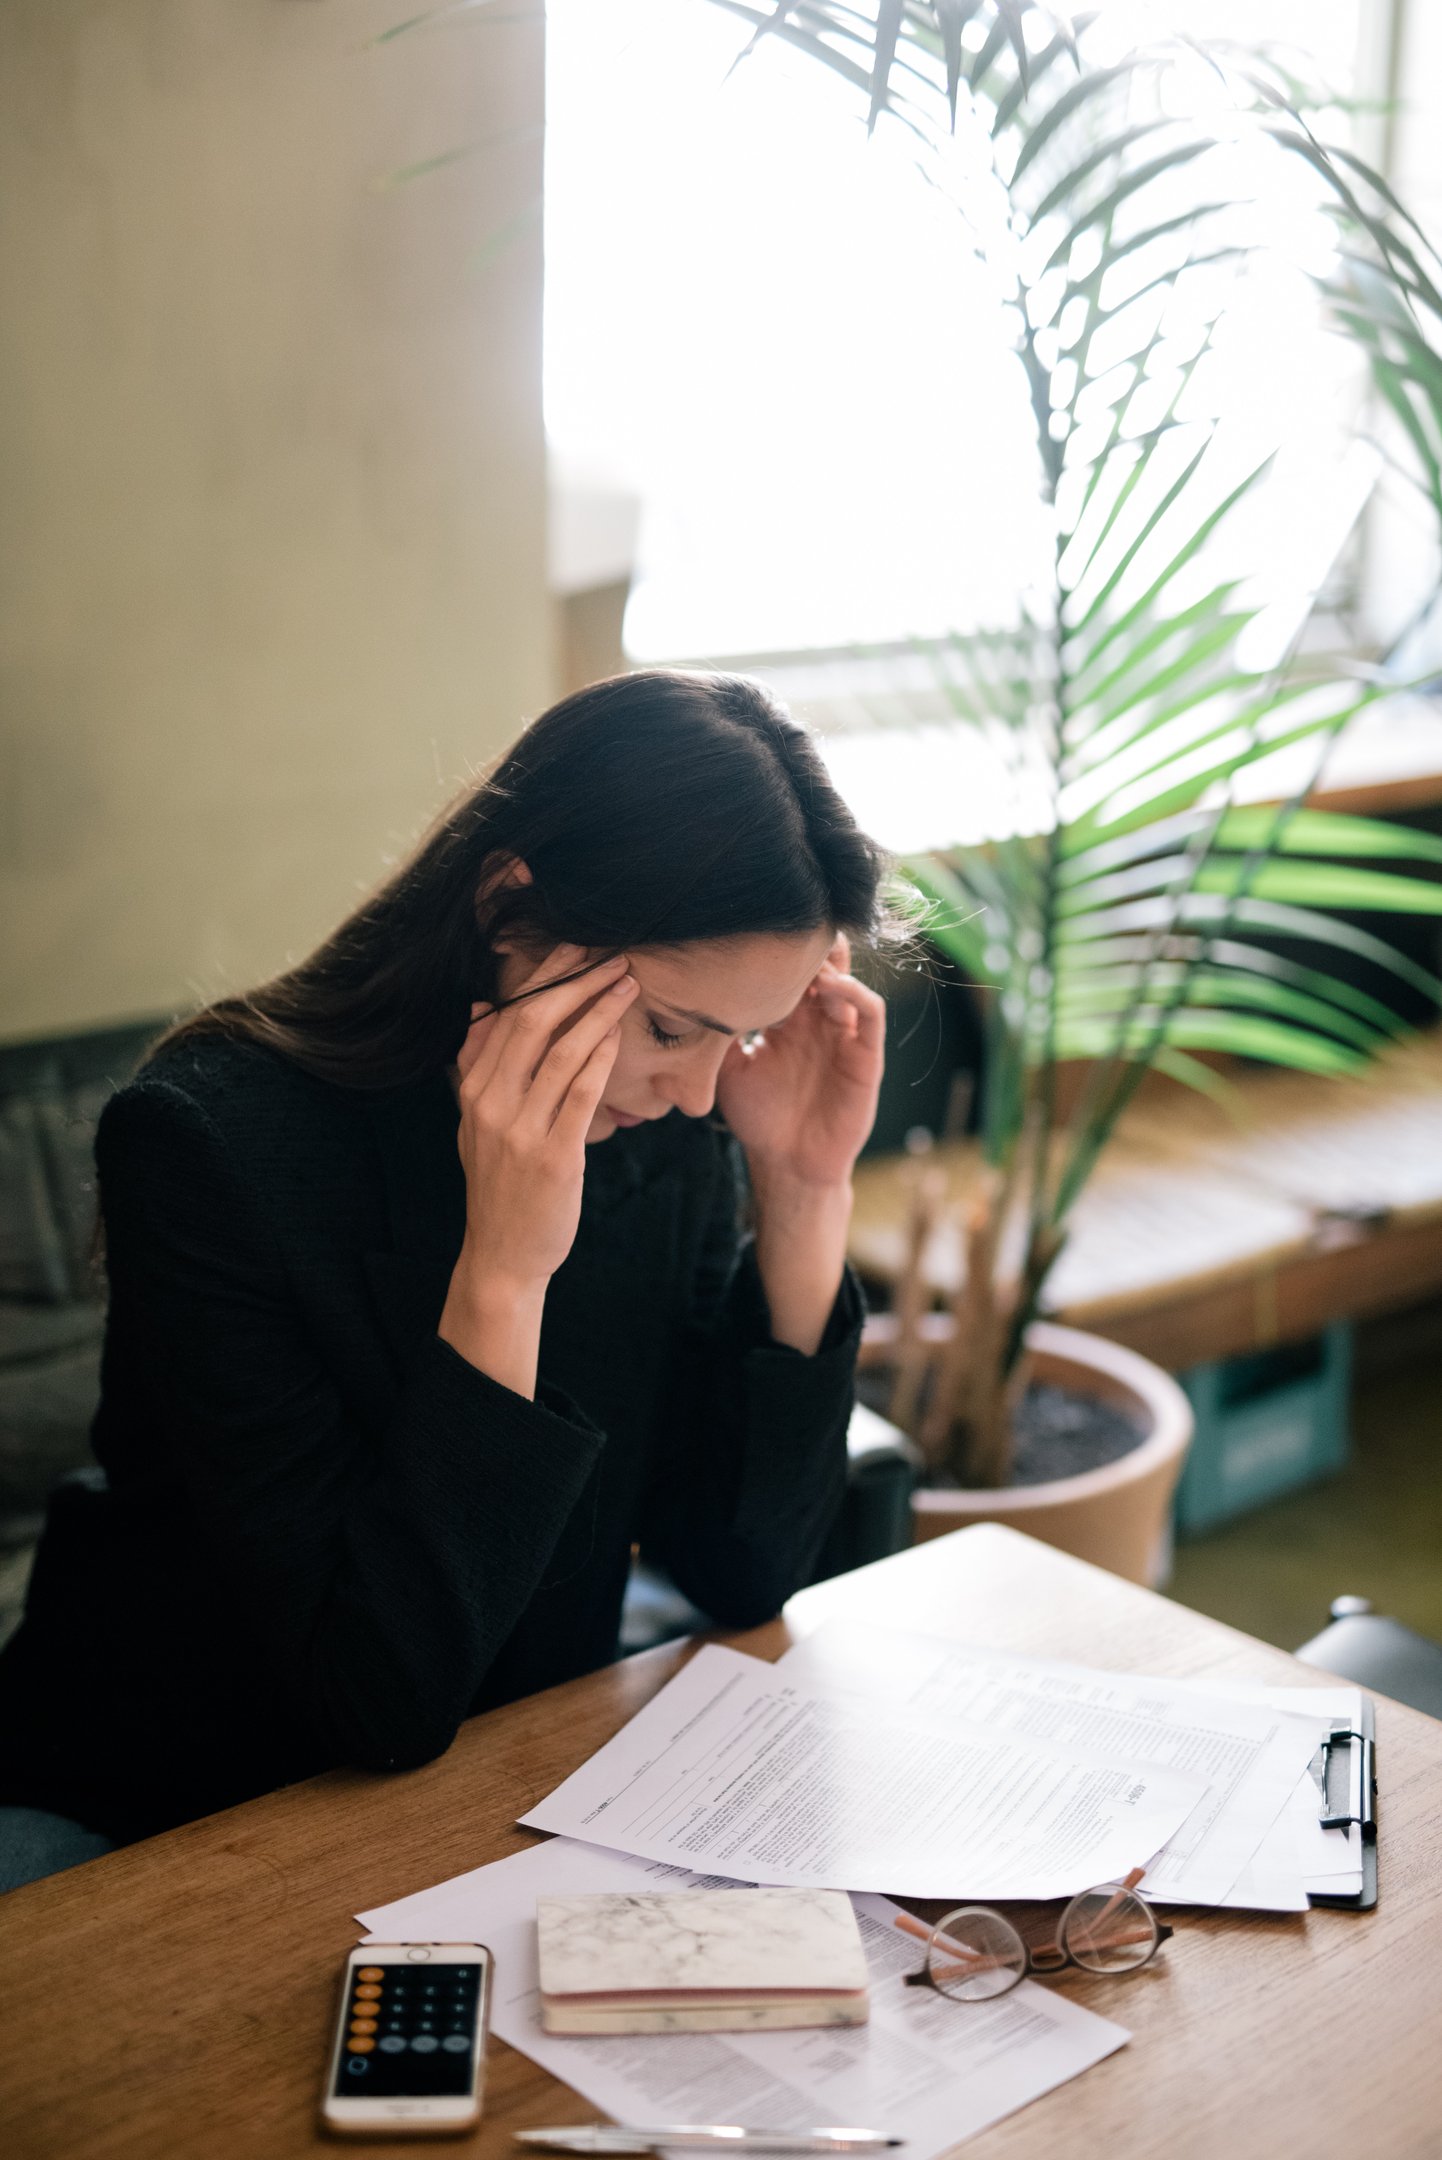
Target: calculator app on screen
409	2031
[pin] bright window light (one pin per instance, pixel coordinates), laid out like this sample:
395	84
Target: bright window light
769	332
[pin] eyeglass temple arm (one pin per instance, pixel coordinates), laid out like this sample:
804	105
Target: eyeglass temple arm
1123	1889
910	1925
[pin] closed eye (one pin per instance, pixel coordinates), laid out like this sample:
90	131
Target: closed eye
667	1041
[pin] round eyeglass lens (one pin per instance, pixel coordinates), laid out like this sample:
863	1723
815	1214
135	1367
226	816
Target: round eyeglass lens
975	1954
1109	1930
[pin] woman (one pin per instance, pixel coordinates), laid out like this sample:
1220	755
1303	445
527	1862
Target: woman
427	1294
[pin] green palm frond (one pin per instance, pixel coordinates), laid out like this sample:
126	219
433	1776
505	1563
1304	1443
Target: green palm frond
1155	919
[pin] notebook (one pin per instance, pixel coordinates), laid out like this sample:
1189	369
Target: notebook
699	1961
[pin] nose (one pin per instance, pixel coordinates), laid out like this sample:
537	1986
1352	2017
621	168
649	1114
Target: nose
692	1089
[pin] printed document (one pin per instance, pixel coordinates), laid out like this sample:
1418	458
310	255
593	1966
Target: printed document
1331	1860
1250	1755
736	1769
925	2069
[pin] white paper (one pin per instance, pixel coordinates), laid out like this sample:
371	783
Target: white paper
1250	1756
926	2069
733	1768
1331	1860
1273	1869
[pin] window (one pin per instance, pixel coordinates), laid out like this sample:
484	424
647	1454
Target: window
768	330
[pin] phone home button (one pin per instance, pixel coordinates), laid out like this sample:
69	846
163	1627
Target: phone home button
418	1954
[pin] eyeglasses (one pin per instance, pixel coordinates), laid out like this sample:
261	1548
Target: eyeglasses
975	1953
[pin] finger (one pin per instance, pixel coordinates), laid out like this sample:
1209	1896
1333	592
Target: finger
852	1005
524	1027
838	1014
561	962
578	1106
492	1040
569	1052
482	1019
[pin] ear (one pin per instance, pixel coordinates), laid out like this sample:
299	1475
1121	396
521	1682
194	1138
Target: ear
500	873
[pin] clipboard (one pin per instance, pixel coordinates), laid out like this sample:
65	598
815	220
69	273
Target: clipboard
1345	1768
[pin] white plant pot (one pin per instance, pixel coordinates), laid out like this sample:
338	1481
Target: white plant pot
1117	1516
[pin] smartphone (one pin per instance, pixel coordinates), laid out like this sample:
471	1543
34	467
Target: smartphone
410	2040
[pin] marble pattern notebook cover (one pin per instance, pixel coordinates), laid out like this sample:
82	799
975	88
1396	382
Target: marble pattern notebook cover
700	1961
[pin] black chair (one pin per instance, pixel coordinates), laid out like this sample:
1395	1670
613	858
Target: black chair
1379	1653
51	1094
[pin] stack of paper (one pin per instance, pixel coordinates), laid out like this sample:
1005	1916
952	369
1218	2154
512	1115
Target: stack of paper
869	1761
1328	1861
1253	1838
924	2069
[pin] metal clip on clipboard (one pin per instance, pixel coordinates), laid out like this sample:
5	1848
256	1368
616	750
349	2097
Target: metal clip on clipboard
1361	1783
1349	1795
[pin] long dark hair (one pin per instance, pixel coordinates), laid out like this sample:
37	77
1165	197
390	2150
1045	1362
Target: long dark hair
656	808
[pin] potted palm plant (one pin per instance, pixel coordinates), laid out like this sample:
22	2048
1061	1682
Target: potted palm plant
1165	908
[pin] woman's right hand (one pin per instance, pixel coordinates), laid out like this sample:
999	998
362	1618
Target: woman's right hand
531	1078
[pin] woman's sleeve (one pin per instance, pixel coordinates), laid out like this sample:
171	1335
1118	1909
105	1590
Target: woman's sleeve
376	1582
751	1465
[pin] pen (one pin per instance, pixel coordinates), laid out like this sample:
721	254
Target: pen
622	2138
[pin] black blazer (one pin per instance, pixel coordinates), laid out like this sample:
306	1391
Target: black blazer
325	1537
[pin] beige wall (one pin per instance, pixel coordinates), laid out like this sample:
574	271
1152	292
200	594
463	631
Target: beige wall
271	473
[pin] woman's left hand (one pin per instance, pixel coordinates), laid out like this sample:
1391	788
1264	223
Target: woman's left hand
803	1101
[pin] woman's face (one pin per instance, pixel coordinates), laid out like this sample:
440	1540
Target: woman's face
695	1003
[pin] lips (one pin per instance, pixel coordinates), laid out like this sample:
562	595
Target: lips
624	1119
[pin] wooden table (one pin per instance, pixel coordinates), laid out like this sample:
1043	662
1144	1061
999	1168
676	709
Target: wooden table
175	1999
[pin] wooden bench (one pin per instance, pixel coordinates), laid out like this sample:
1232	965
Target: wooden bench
1205	1234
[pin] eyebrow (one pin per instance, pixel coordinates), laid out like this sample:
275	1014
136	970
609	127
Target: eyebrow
717	1027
